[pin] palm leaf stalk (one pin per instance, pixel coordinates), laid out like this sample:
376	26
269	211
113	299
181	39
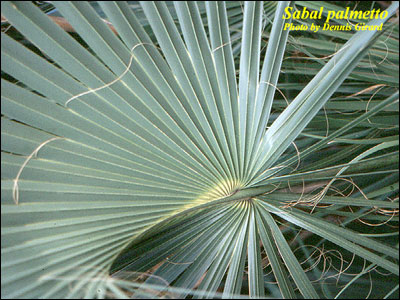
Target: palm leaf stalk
136	163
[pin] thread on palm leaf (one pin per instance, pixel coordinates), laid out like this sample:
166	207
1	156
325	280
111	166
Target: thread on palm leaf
348	16
355	96
298	157
315	58
34	153
225	44
386	54
327	261
115	80
279	90
363	91
386	46
366	109
386	212
383	58
178	263
318	197
219	47
327	121
282	167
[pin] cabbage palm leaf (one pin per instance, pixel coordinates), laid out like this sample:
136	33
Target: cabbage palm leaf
141	150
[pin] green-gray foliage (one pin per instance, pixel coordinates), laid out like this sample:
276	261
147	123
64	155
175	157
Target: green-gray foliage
159	159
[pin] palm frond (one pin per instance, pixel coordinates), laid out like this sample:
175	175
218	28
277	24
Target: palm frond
145	152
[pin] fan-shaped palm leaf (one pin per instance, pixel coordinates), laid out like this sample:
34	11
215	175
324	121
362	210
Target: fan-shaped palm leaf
138	147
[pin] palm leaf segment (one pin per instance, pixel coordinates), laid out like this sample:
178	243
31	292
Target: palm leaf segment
102	144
